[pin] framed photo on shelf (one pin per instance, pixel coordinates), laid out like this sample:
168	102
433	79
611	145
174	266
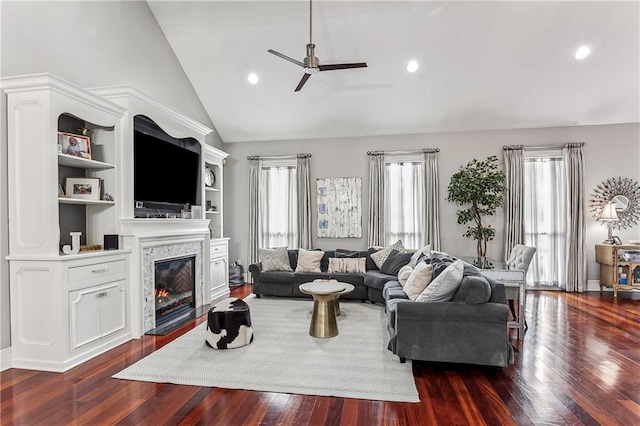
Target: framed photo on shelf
616	240
74	145
82	188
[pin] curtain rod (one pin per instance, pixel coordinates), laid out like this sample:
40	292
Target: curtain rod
408	151
277	157
540	147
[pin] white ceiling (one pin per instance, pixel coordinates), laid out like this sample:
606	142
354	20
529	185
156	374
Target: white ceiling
483	65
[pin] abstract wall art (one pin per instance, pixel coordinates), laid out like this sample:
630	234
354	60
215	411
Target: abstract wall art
339	207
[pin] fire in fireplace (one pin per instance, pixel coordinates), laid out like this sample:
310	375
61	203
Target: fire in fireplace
174	288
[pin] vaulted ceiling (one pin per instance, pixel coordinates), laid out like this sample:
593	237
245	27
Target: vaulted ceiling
482	65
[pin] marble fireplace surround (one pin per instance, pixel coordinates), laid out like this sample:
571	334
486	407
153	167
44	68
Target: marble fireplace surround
152	240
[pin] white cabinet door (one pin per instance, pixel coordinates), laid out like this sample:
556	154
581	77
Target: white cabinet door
84	308
112	308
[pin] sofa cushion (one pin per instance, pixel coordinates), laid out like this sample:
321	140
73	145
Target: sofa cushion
443	287
348	253
307	277
473	289
393	290
309	260
418	280
354	279
347	265
276	277
392	308
274	259
380	256
439	264
394	262
377	279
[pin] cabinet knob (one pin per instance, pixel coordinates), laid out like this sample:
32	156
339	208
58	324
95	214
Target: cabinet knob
102	294
97	271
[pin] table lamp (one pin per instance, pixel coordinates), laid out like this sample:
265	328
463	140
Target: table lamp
609	215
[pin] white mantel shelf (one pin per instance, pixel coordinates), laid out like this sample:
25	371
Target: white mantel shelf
163	227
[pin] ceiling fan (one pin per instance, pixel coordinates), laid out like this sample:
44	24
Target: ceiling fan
311	63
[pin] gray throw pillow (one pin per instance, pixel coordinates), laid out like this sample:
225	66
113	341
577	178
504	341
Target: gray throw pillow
347	253
473	289
395	261
274	259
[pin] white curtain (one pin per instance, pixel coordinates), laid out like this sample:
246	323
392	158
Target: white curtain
404	207
304	202
514	198
431	200
577	207
278	207
376	200
545	224
255	166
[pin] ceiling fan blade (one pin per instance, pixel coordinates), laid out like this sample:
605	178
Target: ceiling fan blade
304	79
285	57
333	67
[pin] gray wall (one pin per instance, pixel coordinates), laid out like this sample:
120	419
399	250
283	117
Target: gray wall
612	150
90	44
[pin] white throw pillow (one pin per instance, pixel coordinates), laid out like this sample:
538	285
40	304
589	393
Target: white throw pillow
309	260
380	256
274	259
404	273
424	250
444	286
345	265
418	280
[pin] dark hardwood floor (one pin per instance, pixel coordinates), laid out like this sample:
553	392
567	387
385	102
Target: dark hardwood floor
579	364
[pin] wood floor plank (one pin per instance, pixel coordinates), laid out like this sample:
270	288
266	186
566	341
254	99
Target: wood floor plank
577	365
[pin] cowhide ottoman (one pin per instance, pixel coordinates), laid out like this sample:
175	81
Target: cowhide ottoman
229	324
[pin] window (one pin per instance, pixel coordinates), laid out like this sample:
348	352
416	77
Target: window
545	217
278	204
404	202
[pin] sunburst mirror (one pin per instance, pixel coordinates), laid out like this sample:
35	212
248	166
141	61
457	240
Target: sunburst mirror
625	194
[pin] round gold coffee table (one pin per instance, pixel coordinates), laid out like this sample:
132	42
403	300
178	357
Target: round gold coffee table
323	319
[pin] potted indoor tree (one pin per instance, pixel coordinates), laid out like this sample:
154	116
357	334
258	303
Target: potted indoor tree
479	186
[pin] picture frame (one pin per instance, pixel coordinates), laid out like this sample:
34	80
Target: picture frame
82	188
616	240
61	191
74	145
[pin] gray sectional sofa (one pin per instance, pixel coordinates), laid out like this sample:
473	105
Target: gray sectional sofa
368	286
469	329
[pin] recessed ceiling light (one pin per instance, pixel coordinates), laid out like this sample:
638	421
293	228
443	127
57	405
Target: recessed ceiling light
253	79
583	52
412	66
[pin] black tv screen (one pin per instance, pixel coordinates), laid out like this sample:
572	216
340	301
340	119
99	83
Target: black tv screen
164	171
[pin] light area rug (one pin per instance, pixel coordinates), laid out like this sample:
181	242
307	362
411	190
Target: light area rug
284	358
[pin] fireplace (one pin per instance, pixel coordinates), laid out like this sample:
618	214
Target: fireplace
174	288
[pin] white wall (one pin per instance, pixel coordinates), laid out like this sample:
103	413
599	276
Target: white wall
611	151
90	44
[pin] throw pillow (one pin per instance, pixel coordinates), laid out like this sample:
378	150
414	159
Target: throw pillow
274	259
444	286
426	250
473	289
347	253
341	265
394	262
309	260
418	280
404	273
380	256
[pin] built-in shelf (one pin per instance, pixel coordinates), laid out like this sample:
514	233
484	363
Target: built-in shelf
64	200
209	189
207	212
82	163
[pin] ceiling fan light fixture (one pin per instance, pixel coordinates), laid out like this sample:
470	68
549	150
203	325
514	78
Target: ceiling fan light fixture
412	66
253	78
582	52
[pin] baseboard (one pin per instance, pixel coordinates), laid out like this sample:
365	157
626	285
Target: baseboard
594	285
6	357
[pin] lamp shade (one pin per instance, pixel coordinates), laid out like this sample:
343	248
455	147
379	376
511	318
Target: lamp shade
609	213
